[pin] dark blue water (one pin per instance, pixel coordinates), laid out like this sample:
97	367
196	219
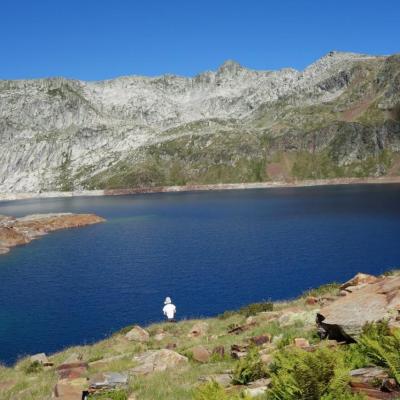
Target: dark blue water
209	251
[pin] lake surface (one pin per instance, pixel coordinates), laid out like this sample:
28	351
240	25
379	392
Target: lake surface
209	251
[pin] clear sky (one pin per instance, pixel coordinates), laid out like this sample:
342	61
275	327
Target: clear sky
98	39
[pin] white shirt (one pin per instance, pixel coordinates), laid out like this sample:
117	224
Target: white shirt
169	310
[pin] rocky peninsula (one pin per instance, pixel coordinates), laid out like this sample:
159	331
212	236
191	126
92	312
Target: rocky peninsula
19	231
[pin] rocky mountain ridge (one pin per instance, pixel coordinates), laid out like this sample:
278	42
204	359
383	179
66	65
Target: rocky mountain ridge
339	117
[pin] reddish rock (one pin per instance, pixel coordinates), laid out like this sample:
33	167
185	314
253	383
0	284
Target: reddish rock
72	370
72	373
219	350
261	339
372	393
79	364
200	354
311	300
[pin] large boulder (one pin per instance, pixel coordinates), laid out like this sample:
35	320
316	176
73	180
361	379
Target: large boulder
158	360
359	279
373	302
71	371
200	354
138	334
108	380
41	358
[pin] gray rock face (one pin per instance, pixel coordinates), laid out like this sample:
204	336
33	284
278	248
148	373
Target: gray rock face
374	301
59	134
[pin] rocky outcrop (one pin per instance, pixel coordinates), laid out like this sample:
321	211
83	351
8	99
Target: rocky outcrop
371	299
18	231
338	117
138	334
158	360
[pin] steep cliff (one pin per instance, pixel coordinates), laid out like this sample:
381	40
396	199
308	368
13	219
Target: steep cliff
338	117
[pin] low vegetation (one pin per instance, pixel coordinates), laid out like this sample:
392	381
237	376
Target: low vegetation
291	372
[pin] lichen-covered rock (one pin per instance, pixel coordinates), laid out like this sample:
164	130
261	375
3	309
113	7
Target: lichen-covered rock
138	334
158	360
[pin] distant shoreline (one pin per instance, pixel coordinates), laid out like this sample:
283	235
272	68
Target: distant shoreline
195	188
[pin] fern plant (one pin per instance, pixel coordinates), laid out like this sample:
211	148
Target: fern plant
249	369
299	375
214	391
382	347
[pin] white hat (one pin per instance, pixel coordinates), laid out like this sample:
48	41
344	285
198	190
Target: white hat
167	300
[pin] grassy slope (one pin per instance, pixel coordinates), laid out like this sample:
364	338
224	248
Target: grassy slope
165	385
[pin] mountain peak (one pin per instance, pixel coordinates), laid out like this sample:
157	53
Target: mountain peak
230	66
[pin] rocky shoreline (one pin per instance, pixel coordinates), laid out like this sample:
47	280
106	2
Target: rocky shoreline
196	188
19	231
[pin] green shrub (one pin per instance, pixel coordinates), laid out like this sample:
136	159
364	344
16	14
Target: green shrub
300	375
356	358
327	289
110	395
227	314
210	391
249	310
33	368
255	308
249	368
382	347
214	391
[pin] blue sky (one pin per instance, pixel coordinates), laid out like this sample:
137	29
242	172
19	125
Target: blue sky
98	39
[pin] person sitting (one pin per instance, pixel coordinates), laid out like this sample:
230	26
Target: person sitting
169	310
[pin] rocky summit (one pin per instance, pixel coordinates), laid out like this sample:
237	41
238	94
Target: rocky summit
340	117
